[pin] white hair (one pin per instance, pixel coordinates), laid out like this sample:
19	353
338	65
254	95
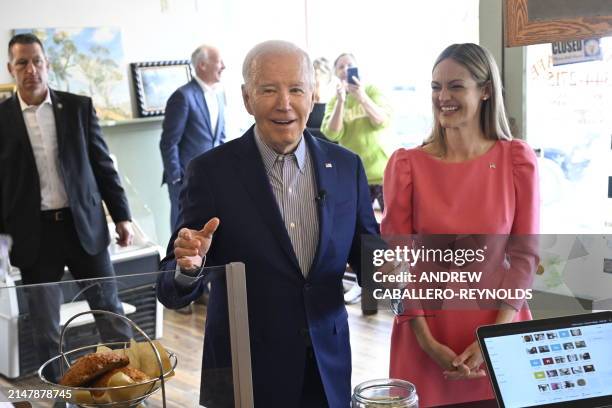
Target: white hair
200	54
275	47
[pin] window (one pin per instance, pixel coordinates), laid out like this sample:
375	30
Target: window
395	44
568	118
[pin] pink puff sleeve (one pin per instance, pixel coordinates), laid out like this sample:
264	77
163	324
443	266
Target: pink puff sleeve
397	191
397	221
526	188
523	242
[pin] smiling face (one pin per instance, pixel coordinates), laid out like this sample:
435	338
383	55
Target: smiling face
455	95
279	94
29	67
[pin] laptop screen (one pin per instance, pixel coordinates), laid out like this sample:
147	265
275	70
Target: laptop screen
551	362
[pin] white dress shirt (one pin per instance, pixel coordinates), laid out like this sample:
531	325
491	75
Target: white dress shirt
210	95
40	124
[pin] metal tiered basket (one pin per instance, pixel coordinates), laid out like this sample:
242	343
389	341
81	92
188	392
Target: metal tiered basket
144	389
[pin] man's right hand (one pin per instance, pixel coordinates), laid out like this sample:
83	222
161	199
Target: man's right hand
190	246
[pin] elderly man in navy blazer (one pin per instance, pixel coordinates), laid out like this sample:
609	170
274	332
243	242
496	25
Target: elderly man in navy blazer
194	122
294	209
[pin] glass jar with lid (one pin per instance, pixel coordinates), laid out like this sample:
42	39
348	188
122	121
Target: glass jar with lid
385	393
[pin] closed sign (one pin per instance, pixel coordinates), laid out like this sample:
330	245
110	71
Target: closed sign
571	52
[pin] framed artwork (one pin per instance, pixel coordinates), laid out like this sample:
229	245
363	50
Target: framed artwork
530	22
6	91
154	82
88	61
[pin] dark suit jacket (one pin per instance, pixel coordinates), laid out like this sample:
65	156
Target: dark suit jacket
187	131
230	182
88	172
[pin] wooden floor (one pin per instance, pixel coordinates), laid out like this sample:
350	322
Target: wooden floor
184	333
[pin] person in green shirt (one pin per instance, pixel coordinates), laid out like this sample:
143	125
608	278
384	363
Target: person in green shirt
358	117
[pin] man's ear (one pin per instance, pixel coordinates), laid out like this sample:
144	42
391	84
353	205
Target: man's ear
246	99
8	66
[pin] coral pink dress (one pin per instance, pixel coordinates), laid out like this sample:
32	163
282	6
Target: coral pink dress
495	193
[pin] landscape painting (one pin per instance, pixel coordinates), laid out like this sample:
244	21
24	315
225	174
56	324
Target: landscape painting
88	61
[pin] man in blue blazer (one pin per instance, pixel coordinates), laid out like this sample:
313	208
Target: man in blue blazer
194	122
293	208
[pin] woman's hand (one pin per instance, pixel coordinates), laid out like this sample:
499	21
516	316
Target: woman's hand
471	359
442	355
356	89
453	365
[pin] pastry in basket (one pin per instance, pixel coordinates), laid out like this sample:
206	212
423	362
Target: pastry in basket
92	366
143	357
121	377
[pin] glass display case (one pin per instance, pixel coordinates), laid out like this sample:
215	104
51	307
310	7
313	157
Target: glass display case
24	338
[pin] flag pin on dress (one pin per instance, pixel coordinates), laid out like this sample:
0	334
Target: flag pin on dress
491	165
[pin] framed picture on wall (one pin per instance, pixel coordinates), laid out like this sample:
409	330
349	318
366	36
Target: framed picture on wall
154	82
6	91
88	61
530	22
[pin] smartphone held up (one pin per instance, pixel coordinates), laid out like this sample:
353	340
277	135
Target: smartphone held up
352	73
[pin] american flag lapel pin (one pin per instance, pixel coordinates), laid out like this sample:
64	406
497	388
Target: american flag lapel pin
328	165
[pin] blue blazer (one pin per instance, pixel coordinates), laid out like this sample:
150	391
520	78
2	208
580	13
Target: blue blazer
230	182
187	131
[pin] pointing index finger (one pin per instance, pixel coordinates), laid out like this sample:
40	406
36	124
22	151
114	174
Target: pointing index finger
209	229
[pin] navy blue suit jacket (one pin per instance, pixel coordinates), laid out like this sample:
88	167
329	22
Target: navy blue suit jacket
187	131
89	177
230	182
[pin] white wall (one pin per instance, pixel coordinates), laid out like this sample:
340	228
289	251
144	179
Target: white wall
145	29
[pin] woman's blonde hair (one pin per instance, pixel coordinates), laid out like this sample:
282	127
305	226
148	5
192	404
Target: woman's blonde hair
481	65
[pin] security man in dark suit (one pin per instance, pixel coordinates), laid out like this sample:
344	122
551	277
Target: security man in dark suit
55	171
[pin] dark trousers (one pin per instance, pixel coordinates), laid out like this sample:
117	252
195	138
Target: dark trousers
313	393
60	247
174	191
218	392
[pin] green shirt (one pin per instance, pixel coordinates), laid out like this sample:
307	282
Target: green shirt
359	135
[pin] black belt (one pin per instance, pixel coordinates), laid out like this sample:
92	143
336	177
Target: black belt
59	215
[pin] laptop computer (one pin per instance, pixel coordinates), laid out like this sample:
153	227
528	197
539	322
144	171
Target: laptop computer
558	362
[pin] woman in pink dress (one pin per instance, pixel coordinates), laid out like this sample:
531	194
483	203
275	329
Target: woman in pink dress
469	177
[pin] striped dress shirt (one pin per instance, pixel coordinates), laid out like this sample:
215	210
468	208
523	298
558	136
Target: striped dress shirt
294	186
